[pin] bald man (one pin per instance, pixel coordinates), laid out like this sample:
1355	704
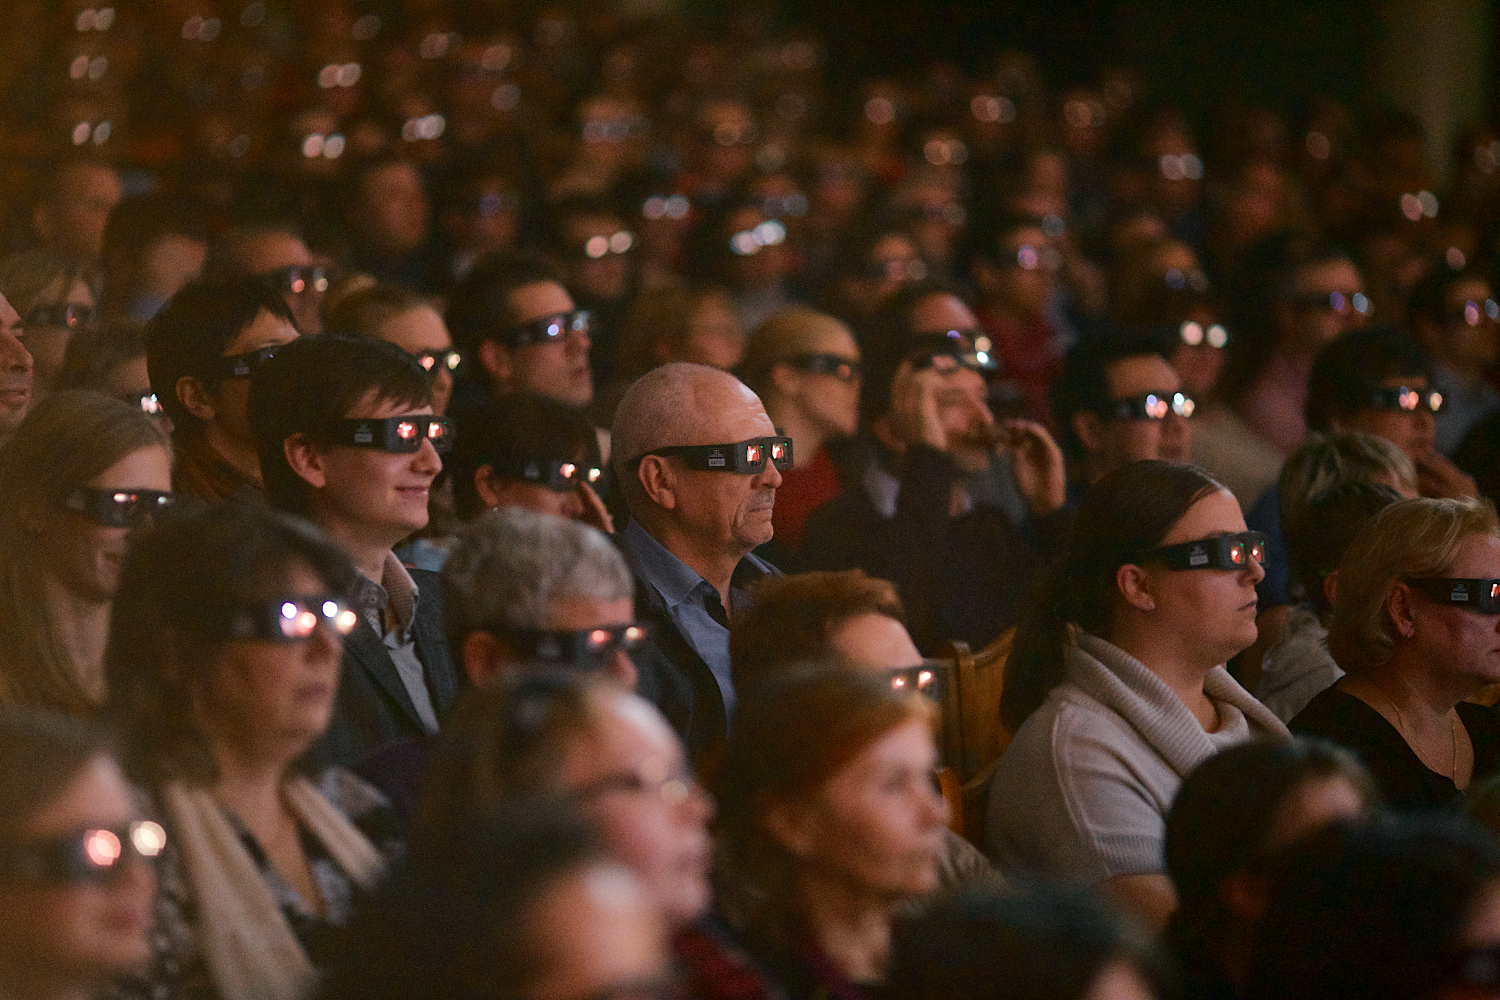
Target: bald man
697	461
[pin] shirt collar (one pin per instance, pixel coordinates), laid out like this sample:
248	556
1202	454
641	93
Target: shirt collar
675	579
396	590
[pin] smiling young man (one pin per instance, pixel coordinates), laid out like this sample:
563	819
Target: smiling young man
15	372
346	438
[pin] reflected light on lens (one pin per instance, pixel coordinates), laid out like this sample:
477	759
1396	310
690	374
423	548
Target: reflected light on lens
102	847
148	837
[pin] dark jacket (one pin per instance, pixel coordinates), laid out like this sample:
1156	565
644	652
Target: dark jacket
960	577
673	676
373	707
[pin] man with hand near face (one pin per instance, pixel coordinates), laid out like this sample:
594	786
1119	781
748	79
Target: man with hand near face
347	439
697	462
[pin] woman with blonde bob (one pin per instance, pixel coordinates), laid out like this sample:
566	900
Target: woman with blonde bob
1416	628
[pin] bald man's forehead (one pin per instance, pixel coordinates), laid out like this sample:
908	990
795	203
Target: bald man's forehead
720	411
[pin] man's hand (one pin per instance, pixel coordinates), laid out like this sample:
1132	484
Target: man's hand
1037	463
1437	476
595	515
914	409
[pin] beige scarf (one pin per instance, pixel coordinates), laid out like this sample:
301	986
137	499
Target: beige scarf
248	944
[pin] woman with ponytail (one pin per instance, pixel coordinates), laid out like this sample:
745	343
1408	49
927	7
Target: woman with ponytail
1116	687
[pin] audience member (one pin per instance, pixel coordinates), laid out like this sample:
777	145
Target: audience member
526	903
1453	315
76	880
527	451
81	472
1378	381
910	513
1413	627
111	360
275	252
77	197
828	822
1115	688
223	665
675	322
1233	814
994	942
346	438
153	245
523	588
518	325
389	220
1014	267
411	322
15	371
1402	907
804	365
1116	400
201	350
697	462
55	297
595	254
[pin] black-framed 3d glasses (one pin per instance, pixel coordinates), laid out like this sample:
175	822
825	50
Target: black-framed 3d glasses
744	457
118	508
1224	552
1402	399
292	618
397	435
588	649
970	348
1481	595
1151	406
433	362
94	856
148	402
560	475
67	315
244	365
841	368
547	330
296	279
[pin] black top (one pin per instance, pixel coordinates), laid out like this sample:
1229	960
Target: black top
1404	781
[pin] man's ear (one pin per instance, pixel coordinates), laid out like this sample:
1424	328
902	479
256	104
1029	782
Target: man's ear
306	459
1135	586
484	485
790	826
1089	429
1331	587
484	657
782	377
495	359
195	397
886	434
658	480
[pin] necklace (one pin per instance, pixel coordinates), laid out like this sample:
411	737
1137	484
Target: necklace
1406	735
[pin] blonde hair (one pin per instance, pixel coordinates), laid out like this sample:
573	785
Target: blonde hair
1411	538
782	336
662	317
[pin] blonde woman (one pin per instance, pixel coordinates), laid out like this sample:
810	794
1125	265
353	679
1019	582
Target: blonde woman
1416	628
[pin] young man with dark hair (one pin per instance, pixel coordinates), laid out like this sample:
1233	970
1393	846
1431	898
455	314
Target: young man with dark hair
275	251
1455	316
201	349
1117	400
346	438
514	318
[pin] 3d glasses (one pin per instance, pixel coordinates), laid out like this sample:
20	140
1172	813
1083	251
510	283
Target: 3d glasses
295	279
1224	552
1481	595
843	369
560	475
117	508
744	457
398	435
437	361
1151	406
547	330
87	857
970	348
243	365
68	315
586	649
1401	399
292	618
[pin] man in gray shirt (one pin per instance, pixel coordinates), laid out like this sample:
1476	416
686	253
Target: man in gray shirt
346	437
698	462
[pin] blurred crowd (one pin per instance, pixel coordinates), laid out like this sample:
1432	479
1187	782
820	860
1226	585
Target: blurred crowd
585	502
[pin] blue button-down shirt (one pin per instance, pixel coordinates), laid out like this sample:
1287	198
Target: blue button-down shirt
685	592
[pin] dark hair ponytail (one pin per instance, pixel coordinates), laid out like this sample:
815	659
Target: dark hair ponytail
1124	514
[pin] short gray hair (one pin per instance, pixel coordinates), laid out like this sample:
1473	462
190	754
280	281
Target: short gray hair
508	567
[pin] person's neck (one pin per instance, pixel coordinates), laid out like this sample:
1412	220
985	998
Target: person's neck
1184	673
250	786
1421	698
807	434
82	624
240	455
365	549
851	928
715	564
